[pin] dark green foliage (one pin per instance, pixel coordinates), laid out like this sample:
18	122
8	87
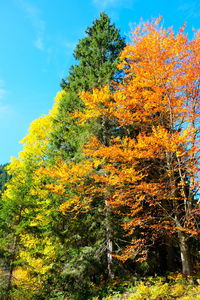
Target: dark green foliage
67	137
84	238
98	54
4	177
80	268
84	263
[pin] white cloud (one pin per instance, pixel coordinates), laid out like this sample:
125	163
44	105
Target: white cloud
69	46
3	91
7	112
103	4
7	115
3	109
190	8
39	43
33	14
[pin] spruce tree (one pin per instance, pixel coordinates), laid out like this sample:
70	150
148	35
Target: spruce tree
97	55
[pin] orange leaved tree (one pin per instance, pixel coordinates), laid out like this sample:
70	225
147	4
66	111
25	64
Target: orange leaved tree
149	163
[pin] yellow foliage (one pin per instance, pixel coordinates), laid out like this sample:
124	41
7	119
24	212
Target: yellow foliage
35	246
22	277
59	96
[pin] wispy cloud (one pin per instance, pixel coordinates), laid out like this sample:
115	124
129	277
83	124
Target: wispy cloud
3	91
39	43
34	16
103	4
7	115
69	46
5	109
190	8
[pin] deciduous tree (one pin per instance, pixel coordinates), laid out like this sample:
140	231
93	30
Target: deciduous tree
154	173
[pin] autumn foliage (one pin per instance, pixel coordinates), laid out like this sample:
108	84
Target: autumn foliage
130	188
150	171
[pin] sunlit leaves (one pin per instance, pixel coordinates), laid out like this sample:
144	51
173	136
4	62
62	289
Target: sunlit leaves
158	98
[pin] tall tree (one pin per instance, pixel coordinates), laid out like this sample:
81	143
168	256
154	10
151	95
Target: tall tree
154	175
98	55
27	249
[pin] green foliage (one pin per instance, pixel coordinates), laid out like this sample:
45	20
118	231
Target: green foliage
83	237
4	177
67	137
98	54
54	248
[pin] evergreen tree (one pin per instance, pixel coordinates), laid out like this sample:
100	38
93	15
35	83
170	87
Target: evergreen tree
98	55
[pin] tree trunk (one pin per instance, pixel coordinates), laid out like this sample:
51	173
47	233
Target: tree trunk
109	242
170	254
13	253
182	240
185	254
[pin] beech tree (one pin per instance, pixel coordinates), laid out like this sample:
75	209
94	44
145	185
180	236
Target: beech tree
154	173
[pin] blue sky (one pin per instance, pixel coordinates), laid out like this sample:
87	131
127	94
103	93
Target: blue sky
36	50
